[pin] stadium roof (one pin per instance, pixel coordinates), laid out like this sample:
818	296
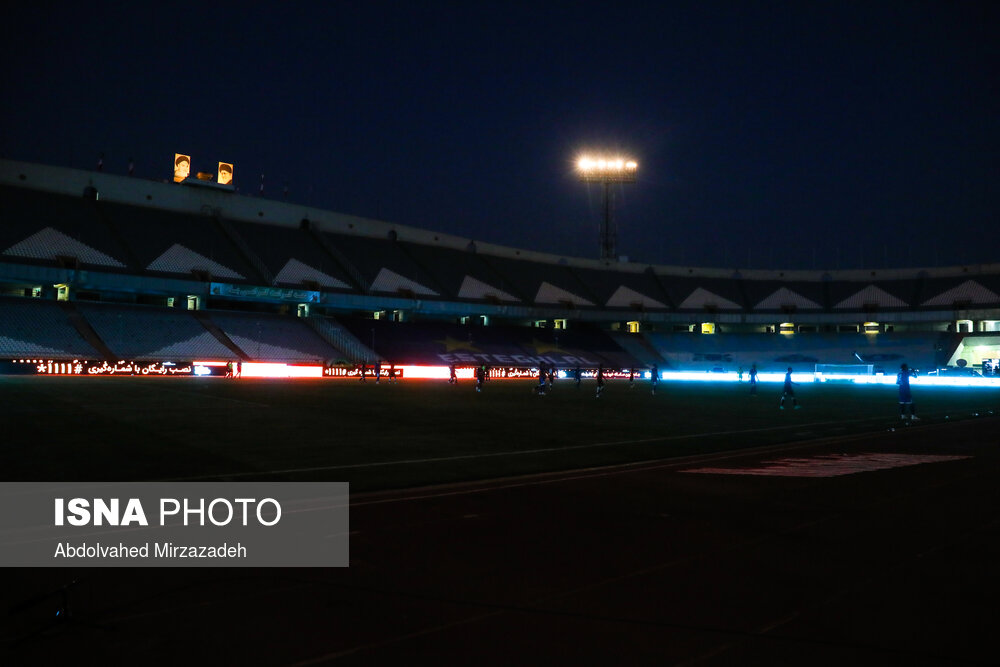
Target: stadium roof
153	228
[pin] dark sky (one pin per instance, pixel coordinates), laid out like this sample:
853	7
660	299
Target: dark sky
794	135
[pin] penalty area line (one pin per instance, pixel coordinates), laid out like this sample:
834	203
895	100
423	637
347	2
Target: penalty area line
520	452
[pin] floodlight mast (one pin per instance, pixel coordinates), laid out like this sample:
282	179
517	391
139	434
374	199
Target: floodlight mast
607	171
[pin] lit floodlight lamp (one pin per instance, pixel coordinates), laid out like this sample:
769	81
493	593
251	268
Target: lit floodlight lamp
607	170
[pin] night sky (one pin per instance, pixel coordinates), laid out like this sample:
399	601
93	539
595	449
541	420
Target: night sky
804	134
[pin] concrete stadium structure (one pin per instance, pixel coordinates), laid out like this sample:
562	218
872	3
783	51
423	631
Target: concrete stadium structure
105	266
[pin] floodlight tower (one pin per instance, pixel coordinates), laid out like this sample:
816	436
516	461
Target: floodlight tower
607	171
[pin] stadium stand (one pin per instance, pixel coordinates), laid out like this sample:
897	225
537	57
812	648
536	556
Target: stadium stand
243	264
292	258
442	344
264	336
543	284
641	350
462	273
56	230
33	327
153	334
703	294
343	341
620	289
169	243
385	266
958	293
872	296
784	297
775	352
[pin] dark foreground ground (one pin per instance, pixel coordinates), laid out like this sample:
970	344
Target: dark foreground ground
635	563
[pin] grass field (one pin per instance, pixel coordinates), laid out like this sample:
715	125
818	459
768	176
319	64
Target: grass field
414	432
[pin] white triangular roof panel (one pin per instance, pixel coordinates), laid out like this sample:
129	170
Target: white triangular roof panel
390	281
295	272
549	293
178	259
202	345
477	289
49	243
268	351
970	291
625	297
784	297
871	295
702	298
14	346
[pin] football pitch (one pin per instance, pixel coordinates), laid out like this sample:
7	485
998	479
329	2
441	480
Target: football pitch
415	432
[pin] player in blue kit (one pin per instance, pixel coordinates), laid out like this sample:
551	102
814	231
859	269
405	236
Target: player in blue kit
541	387
905	396
788	392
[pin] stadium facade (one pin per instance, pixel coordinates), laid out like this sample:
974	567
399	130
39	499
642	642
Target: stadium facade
103	267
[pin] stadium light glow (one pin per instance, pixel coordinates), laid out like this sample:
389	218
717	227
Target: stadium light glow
604	169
